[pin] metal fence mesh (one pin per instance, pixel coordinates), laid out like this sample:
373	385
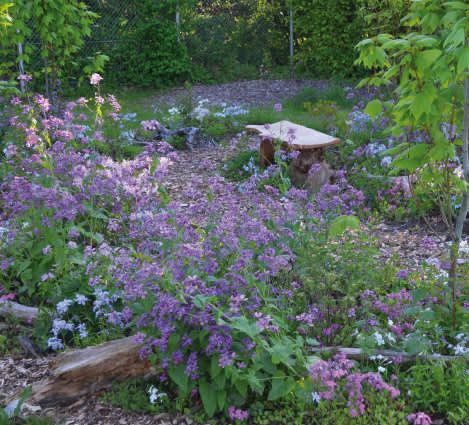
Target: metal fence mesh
116	18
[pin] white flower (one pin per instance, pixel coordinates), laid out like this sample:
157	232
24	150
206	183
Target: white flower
379	338
381	369
315	397
155	395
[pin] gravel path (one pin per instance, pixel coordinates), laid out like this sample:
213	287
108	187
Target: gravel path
243	93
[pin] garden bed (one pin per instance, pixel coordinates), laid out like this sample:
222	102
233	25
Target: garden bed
177	218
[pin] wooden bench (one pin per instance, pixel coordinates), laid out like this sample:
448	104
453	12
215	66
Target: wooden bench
294	137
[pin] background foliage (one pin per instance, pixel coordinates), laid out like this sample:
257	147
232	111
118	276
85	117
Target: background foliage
215	41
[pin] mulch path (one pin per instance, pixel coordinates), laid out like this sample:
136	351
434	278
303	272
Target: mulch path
19	371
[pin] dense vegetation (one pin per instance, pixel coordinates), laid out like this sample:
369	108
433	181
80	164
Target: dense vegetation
141	43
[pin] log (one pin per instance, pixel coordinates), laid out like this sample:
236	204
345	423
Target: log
78	373
359	355
17	311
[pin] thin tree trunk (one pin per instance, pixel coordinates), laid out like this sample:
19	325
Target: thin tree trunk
465	164
359	355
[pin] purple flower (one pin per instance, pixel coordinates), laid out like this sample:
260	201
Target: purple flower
278	107
402	274
239	414
419	418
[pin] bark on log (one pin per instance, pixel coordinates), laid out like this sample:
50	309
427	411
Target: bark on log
78	373
359	355
21	312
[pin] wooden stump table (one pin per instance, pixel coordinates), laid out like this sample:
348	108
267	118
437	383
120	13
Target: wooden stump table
295	137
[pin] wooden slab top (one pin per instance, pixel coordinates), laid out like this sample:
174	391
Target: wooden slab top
298	136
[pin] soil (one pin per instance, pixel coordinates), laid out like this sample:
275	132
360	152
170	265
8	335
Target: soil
19	371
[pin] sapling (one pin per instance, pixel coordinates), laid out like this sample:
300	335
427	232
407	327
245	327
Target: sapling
430	66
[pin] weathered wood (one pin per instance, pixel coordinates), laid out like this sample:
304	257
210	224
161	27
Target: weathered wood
22	313
359	355
292	137
78	373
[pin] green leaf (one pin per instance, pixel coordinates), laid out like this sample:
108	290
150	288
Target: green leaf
463	60
208	394
221	399
177	374
430	56
242	386
340	224
420	105
456	38
242	324
214	368
374	108
281	386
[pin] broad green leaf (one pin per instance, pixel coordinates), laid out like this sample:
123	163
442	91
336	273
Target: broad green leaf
208	394
430	56
281	386
420	105
457	5
242	386
214	368
221	399
178	376
456	38
340	224
374	108
242	324
463	60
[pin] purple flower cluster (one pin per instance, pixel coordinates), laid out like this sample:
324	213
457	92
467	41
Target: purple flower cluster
335	379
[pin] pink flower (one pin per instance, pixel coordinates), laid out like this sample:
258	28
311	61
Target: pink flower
7	297
24	77
278	107
99	100
419	418
95	79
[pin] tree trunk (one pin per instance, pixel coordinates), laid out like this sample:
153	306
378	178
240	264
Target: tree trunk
465	164
17	311
359	355
78	373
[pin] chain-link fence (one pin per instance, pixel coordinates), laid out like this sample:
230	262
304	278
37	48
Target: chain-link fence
116	18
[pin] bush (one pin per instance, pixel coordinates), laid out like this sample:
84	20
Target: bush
328	32
159	61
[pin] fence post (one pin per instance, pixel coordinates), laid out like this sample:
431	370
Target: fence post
21	63
178	22
291	37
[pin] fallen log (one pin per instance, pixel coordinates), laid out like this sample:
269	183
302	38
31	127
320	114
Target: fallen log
22	313
359	355
78	373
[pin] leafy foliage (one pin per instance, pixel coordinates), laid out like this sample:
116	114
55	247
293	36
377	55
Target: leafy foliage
326	33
